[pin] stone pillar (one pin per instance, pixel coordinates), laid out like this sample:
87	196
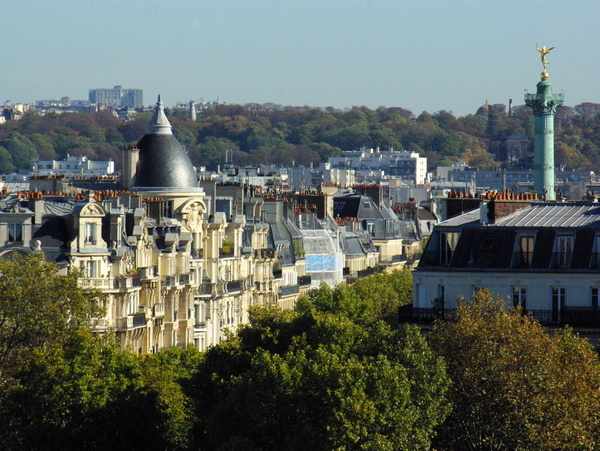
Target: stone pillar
544	105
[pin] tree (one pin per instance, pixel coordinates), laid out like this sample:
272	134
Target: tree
22	151
59	390
39	307
385	293
213	151
84	393
587	111
514	385
43	146
318	381
368	300
6	166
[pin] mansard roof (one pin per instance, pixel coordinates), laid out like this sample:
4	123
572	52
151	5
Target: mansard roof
498	246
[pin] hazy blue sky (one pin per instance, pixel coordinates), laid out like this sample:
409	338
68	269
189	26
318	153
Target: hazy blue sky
420	55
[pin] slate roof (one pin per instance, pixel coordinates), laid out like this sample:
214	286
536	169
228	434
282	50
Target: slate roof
354	205
469	218
163	161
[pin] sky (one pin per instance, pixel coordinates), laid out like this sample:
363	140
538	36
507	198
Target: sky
420	55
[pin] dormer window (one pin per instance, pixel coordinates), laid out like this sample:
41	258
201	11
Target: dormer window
487	244
448	241
523	251
90	233
15	232
563	250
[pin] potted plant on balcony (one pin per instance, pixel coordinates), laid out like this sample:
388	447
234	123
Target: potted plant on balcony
227	247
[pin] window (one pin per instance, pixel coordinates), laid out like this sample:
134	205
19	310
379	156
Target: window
448	242
525	251
519	296
487	243
564	251
371	229
440	301
441	293
90	233
595	261
199	314
91	269
559	298
15	232
594	296
168	209
421	291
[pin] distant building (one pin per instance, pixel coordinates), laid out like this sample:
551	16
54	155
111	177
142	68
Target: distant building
117	96
74	166
405	165
65	105
196	106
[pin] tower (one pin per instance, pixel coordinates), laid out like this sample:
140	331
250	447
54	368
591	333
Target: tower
544	104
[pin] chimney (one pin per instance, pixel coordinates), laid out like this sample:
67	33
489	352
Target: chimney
493	210
131	156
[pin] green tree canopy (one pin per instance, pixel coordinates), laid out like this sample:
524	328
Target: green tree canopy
84	393
39	307
6	165
318	381
368	300
22	151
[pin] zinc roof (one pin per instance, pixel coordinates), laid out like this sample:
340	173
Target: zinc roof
553	215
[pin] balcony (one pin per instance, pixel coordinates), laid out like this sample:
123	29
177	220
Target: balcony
131	321
394	259
175	281
235	285
205	288
123	282
289	290
100	324
577	317
304	280
146	310
369	271
85	282
410	314
159	310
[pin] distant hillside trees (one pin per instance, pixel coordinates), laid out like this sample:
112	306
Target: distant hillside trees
269	133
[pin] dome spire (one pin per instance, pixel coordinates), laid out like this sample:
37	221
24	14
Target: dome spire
159	124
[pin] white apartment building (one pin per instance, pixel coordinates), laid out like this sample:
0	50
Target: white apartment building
74	166
402	164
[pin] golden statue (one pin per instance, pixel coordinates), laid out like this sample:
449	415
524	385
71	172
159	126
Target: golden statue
543	52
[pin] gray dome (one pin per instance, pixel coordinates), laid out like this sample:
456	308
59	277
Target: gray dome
163	162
